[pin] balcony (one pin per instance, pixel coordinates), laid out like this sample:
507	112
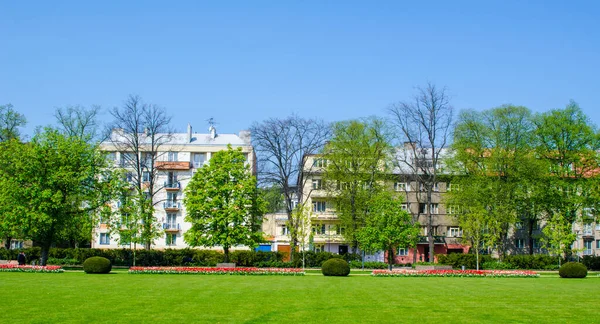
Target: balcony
171	165
436	239
171	227
171	205
588	232
197	165
324	216
588	252
172	186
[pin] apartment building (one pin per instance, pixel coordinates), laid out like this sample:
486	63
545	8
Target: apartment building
179	156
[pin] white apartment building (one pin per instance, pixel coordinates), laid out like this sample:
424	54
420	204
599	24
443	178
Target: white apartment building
177	160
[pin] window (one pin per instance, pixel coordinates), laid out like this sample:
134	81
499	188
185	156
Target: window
171	179
199	160
285	230
320	163
171	239
319	229
172	220
342	185
454	232
319	247
111	156
402	251
452	186
519	225
597	226
519	243
317	184
433	207
16	244
319	206
597	244
146	176
147	159
171	196
127	159
452	209
400	186
536	225
104	238
340	230
172	157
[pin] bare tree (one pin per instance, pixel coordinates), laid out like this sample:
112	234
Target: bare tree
281	146
424	126
78	121
139	131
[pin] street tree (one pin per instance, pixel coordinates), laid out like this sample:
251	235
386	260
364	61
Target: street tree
388	227
79	121
357	160
223	204
281	145
424	124
53	183
141	132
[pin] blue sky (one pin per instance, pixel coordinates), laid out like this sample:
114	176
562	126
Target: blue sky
245	61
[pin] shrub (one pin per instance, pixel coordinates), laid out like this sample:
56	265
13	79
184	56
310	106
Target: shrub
64	261
572	270
497	265
591	262
335	267
532	261
97	265
368	265
457	260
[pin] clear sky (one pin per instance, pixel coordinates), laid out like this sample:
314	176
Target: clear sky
245	61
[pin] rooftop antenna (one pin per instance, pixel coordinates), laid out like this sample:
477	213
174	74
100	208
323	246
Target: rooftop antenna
211	128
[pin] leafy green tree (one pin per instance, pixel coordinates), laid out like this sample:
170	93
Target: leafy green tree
54	184
568	144
357	161
387	227
223	204
493	155
10	121
558	235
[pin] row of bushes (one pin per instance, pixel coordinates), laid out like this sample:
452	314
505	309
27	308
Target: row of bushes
524	262
178	257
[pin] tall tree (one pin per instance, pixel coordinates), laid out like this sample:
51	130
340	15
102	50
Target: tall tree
281	146
79	121
52	184
498	170
568	145
425	124
357	161
141	132
223	204
10	121
388	227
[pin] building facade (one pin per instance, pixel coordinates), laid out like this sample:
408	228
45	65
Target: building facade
176	161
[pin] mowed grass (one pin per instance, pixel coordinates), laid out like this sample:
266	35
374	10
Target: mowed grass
75	297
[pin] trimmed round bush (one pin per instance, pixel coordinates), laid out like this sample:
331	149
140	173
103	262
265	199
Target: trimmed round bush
335	267
572	270
97	265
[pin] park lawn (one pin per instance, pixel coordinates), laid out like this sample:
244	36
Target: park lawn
75	297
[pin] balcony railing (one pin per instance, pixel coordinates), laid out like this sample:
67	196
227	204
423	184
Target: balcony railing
588	232
172	185
171	227
588	252
197	164
171	205
436	239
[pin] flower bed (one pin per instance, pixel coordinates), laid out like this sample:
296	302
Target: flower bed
218	271
29	268
456	273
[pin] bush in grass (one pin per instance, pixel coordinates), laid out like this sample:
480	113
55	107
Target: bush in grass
591	262
64	261
368	265
572	270
335	267
457	260
97	265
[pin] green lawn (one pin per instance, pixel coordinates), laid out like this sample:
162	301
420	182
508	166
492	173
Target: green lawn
75	297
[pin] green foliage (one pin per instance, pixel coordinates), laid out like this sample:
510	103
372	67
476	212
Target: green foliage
497	265
591	262
457	260
357	159
335	267
223	204
65	261
572	270
387	227
10	121
532	262
98	265
53	185
368	265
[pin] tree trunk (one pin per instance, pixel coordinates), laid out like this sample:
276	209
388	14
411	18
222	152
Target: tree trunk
390	258
7	242
529	236
226	254
45	252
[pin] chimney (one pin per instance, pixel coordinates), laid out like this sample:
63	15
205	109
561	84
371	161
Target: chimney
245	136
213	131
189	133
